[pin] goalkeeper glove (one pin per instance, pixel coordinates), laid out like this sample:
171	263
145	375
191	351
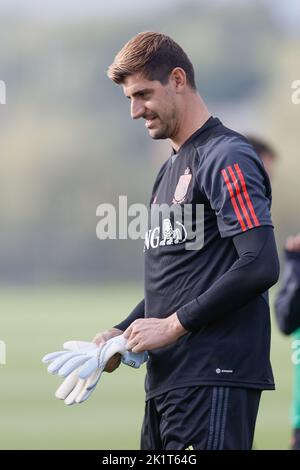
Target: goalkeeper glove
82	364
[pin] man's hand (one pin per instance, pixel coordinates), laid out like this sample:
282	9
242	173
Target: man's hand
293	243
151	333
100	339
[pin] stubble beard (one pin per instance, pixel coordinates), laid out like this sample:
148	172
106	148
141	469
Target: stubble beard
167	128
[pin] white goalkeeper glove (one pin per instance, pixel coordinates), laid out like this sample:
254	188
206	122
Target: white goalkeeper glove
82	364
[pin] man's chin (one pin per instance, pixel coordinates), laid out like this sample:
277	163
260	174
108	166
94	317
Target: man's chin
157	134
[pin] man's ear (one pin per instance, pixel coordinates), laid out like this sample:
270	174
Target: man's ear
178	78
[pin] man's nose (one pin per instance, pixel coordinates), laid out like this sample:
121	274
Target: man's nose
137	109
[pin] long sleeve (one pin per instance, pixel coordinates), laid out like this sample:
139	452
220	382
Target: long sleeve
137	312
255	271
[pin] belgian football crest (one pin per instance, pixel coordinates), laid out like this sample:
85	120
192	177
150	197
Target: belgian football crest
182	186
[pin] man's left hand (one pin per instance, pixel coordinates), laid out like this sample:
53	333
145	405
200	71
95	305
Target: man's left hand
151	333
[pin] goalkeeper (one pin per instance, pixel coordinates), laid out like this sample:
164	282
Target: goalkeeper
205	318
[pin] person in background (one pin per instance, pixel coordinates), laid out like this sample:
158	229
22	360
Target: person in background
265	151
287	303
287	309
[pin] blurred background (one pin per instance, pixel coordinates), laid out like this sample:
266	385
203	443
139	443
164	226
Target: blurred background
67	144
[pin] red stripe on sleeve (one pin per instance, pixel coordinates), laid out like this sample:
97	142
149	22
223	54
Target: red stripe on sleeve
246	195
239	196
233	201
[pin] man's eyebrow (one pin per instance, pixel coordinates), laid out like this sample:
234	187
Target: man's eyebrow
144	90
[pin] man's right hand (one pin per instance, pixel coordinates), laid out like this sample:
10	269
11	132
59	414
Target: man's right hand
100	339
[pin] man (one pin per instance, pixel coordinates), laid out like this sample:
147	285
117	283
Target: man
205	316
287	303
287	308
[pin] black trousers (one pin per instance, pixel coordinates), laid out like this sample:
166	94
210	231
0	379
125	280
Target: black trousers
210	417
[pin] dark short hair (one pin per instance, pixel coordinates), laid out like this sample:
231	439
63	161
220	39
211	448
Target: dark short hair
154	55
261	146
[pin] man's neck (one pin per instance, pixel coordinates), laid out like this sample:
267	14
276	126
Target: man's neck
195	117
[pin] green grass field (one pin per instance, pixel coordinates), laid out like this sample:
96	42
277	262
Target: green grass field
35	321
